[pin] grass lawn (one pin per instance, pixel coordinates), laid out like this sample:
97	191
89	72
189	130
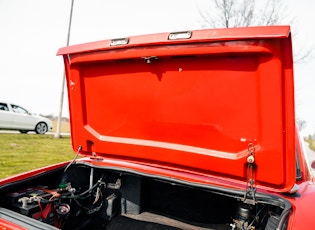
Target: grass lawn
23	152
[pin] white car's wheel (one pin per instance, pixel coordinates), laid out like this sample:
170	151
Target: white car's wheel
41	128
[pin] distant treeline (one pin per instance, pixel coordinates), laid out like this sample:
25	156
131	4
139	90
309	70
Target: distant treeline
53	117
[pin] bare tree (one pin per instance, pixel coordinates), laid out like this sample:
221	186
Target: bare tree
272	13
301	123
244	13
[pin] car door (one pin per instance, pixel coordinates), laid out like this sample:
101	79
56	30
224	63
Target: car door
5	116
21	118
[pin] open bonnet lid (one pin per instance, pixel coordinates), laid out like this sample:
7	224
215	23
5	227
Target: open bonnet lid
204	100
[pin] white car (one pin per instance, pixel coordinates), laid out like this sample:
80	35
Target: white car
15	117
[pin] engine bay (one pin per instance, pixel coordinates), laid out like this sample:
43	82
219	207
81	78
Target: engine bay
84	197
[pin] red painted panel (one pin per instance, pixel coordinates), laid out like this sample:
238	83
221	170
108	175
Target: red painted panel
196	105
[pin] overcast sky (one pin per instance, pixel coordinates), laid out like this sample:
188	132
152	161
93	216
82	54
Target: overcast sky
32	31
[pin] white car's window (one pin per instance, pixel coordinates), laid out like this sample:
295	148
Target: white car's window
18	109
4	107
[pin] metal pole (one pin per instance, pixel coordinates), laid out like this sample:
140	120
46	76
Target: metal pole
57	134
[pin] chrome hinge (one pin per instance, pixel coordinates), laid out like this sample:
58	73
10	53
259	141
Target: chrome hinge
249	195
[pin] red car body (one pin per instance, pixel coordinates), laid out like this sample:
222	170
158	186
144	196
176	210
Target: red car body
207	115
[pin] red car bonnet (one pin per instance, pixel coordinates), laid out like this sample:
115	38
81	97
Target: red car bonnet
217	101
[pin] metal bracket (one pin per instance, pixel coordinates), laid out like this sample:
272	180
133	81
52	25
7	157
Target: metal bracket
250	177
148	60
